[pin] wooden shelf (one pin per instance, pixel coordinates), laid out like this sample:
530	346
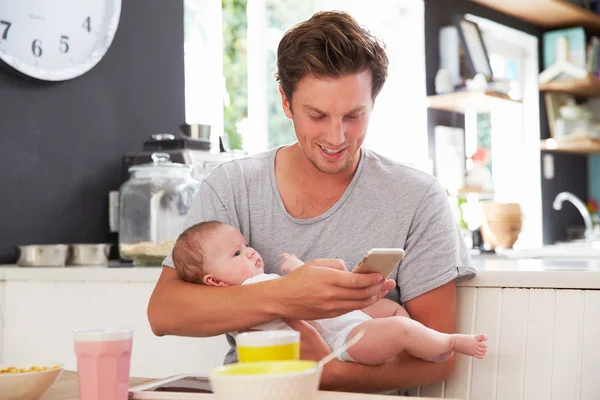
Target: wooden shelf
549	14
474	101
589	87
480	192
578	146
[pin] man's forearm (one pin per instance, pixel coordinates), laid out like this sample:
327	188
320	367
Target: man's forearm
185	309
403	371
314	291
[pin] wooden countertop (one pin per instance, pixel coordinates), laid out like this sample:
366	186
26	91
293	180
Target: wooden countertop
66	389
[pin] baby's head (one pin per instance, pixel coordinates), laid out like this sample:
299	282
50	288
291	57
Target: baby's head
215	254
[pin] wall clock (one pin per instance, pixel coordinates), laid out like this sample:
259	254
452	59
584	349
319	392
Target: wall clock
59	39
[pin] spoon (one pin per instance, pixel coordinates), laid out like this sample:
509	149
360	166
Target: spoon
342	349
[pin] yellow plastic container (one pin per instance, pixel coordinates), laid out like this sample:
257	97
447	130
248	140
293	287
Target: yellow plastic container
268	346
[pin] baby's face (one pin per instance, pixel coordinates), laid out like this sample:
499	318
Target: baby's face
229	259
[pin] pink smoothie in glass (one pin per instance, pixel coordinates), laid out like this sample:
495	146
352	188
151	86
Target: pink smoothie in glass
103	361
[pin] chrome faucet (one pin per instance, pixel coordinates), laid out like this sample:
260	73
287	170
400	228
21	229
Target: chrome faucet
562	196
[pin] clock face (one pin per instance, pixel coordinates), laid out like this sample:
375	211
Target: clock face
56	40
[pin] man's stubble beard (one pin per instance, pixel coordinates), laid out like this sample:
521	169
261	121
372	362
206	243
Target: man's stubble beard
316	165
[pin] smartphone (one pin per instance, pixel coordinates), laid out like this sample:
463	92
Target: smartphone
379	260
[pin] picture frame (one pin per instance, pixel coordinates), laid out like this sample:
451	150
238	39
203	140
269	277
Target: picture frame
475	52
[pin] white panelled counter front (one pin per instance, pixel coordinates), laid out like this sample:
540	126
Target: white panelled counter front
542	319
40	307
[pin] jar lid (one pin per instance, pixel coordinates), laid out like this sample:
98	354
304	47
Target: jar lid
162	162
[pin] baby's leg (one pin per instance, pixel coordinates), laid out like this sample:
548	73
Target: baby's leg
386	337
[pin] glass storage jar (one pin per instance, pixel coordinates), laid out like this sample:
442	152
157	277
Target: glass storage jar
152	206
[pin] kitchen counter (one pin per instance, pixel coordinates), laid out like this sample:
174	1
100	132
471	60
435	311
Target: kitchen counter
541	318
535	273
120	273
492	272
66	389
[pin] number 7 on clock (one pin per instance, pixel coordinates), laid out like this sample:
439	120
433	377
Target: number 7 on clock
7	27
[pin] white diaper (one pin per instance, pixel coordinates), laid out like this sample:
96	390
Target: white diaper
335	331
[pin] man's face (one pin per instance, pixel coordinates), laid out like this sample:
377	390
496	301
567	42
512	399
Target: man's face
330	117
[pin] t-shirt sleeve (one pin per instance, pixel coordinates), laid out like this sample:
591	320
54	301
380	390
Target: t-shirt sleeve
435	250
207	206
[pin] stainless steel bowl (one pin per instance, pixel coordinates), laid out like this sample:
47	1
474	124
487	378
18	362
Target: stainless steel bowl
89	254
43	255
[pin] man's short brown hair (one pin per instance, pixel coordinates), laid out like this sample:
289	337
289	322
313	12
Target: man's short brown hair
188	254
329	45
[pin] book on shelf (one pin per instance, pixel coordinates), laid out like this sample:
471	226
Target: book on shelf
581	52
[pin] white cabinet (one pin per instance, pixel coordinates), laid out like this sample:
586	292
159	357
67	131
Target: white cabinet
40	313
543	344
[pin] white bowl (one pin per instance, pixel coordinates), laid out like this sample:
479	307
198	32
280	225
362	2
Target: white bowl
266	380
27	385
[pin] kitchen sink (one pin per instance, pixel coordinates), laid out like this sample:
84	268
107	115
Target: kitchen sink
565	250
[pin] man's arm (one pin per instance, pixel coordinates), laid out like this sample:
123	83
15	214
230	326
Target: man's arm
309	292
184	309
435	309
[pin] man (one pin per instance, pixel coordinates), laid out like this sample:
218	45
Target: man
326	196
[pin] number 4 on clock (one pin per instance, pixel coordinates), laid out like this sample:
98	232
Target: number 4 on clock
6	28
87	24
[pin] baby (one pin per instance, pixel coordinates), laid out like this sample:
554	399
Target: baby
217	254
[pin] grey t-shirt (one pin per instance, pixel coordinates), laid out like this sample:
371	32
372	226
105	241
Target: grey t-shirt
387	204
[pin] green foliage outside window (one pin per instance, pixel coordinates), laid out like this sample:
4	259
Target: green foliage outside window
281	15
235	68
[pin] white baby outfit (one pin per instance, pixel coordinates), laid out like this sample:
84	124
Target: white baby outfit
333	330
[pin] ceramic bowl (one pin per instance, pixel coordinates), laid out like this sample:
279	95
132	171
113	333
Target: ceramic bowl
501	224
266	380
502	234
27	385
493	211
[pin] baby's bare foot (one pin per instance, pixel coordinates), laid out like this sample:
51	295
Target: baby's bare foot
471	345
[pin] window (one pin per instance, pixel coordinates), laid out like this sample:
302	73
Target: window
515	130
398	124
203	58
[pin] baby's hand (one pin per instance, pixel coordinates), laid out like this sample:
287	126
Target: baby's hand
290	262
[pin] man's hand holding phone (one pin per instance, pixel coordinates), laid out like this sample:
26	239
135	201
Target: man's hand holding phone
382	260
323	288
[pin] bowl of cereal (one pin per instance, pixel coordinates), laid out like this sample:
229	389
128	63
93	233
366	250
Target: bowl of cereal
27	382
